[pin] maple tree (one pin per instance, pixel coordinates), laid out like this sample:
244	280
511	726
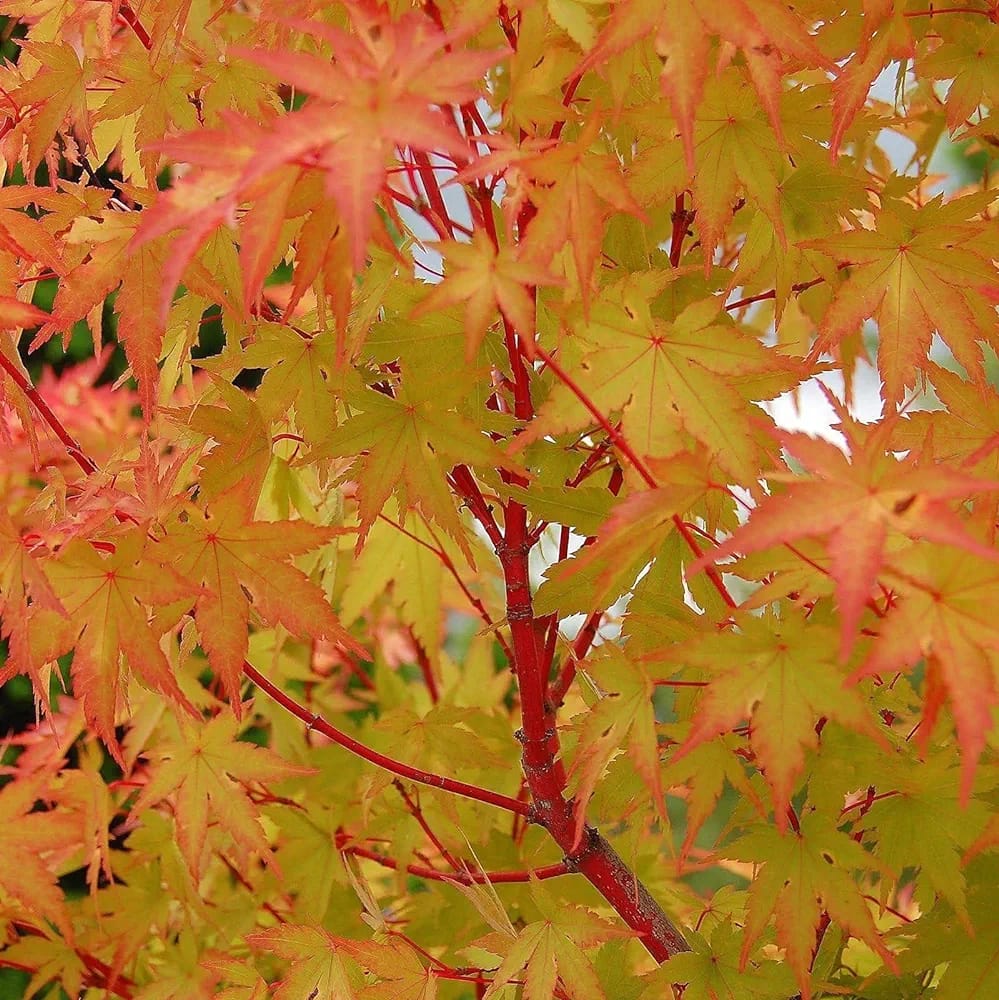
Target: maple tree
410	588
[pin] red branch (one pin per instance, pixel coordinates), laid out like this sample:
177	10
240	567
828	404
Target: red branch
771	294
130	18
320	725
586	850
73	449
580	645
467	877
426	668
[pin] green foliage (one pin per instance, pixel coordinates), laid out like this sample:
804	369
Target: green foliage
405	588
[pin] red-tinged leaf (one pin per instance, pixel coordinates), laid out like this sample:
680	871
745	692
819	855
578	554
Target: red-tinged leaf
801	875
321	249
28	836
778	675
112	262
857	503
406	445
32	618
320	966
704	773
574	193
622	718
207	199
16	315
428	65
945	616
358	117
683	45
968	57
207	768
110	599
25	236
600	573
851	88
57	90
767	33
233	560
486	280
402	974
922	269
259	231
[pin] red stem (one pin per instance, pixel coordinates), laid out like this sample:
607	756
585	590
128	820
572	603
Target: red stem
992	15
681	225
130	18
320	725
433	192
468	877
417	813
426	668
772	294
586	850
73	449
580	646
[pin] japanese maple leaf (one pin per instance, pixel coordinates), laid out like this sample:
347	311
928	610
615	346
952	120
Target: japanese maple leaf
26	237
205	199
151	102
15	314
28	835
922	826
319	964
551	949
703	367
970	969
735	151
486	279
969	58
233	560
111	263
768	33
383	89
58	91
298	370
799	876
403	976
920	270
110	598
25	593
575	191
779	676
623	715
600	572
945	615
713	970
407	444
206	767
857	503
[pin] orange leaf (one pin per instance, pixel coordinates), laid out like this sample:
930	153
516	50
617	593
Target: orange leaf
856	503
235	560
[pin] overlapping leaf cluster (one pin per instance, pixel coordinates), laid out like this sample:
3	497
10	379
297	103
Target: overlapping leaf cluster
448	336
